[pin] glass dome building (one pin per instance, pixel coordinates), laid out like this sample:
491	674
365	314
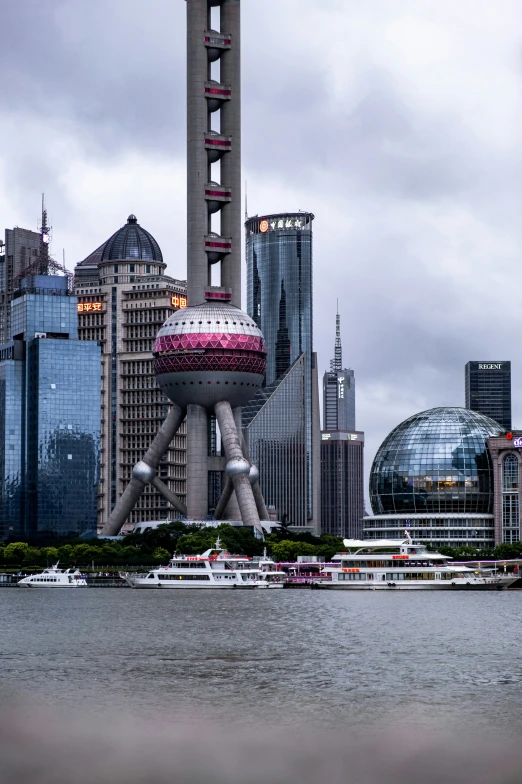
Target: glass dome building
433	475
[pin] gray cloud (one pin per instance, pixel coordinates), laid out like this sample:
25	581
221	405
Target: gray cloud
397	122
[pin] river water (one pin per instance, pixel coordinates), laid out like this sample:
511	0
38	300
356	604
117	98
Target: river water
288	658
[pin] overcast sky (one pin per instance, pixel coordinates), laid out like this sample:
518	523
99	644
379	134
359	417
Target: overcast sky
397	122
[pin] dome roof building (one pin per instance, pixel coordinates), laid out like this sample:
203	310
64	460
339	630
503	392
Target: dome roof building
435	461
124	296
434	471
133	243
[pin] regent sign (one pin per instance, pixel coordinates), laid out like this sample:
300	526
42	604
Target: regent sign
495	366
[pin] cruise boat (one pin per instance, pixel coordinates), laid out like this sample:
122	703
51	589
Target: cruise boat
54	578
392	564
215	568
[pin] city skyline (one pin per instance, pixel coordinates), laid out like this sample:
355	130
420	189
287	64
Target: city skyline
405	205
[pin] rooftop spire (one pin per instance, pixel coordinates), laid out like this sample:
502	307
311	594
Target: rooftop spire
336	364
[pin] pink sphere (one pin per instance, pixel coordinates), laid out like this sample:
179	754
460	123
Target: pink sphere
207	353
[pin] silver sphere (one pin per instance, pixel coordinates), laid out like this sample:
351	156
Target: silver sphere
253	475
237	466
143	472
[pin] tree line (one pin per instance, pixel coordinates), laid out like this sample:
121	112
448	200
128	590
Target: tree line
156	546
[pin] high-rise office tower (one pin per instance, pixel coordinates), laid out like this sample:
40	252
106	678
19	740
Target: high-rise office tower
338	390
488	390
209	359
342	447
49	407
124	296
20	249
342	483
24	253
281	423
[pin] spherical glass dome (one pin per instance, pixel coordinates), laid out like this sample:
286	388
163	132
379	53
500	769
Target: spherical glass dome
132	243
435	461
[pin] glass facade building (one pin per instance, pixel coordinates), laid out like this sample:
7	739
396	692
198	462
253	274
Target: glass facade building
488	390
342	483
434	473
276	438
339	400
279	299
49	416
436	461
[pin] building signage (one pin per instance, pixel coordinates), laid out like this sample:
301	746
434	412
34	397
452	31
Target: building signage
491	366
518	442
400	557
88	307
292	222
325	436
340	382
178	302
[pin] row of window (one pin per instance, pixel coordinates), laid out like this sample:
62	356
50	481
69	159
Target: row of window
421	524
163	577
393	576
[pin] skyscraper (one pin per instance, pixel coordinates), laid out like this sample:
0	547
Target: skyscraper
210	358
342	483
124	296
21	248
49	415
342	448
282	420
338	390
488	390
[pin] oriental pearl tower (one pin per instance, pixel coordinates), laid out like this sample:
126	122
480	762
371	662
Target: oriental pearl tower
210	357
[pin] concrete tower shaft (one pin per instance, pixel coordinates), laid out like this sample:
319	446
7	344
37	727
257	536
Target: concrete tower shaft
213	142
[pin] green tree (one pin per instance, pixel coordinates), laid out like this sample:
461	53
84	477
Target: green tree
288	550
160	554
49	555
31	556
15	552
84	554
506	551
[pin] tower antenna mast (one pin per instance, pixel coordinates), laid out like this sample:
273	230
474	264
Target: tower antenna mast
336	364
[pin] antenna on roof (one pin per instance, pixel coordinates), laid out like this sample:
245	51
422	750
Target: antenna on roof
246	203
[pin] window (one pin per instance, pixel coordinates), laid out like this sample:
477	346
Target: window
510	473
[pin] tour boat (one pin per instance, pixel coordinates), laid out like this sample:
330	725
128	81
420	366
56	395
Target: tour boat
215	568
392	564
54	578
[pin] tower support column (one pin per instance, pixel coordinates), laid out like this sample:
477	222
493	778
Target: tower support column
144	471
197	462
238	467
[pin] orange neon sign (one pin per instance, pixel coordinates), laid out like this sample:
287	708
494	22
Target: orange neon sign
178	302
88	307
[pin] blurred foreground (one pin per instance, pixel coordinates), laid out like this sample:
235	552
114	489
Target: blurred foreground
37	747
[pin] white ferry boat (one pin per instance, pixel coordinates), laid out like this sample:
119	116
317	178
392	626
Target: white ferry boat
392	564
54	578
215	568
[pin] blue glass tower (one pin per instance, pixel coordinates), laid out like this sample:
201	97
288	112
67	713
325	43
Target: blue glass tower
49	415
280	299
